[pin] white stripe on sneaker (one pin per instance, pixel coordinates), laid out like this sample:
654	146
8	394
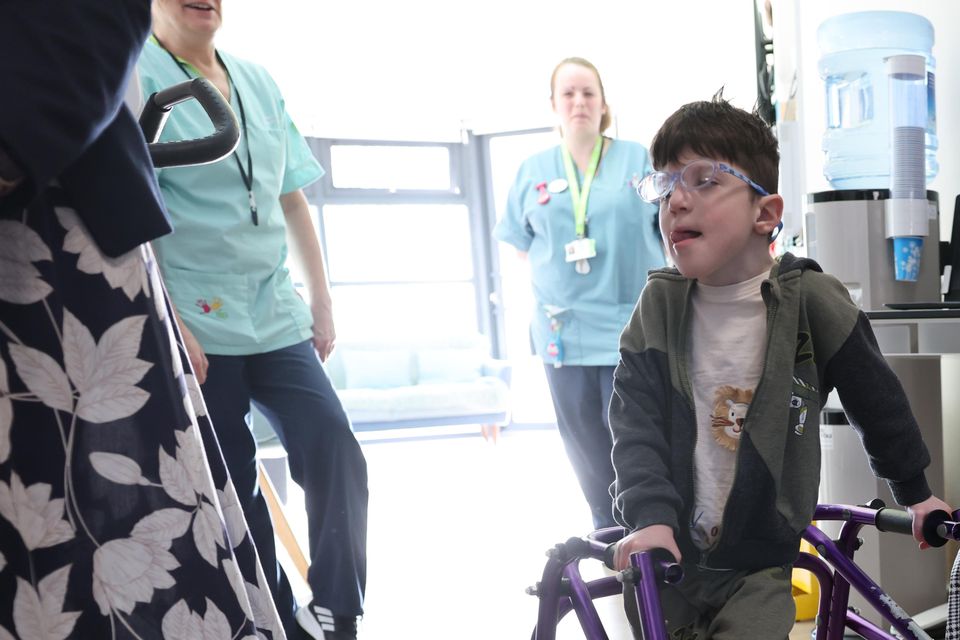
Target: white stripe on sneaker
315	620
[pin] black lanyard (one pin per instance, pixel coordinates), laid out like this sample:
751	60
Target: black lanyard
246	176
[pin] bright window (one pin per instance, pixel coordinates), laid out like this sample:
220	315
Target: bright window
390	167
380	311
397	242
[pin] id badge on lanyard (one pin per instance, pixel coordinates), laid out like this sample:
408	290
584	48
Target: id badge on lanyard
580	250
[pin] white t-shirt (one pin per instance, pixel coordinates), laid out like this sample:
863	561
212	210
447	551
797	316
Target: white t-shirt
727	345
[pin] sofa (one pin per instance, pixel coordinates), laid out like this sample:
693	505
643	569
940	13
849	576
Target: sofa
411	382
420	382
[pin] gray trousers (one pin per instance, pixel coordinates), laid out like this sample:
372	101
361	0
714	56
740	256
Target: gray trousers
723	605
581	398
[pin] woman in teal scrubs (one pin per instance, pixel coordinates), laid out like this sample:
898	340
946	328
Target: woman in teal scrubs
574	213
249	335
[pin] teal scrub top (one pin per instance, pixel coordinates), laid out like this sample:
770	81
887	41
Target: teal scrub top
227	276
592	308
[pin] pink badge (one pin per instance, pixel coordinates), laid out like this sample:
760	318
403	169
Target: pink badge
544	194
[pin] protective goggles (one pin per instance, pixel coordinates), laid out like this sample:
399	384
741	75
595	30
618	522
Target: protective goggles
696	175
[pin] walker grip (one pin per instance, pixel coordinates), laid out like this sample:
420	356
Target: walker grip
930	524
211	148
894	521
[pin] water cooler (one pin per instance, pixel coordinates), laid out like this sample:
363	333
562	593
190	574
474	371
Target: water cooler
878	232
845	232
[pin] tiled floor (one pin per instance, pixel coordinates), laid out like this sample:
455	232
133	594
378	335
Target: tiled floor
458	528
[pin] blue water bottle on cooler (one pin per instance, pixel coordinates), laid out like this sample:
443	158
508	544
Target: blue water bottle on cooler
854	48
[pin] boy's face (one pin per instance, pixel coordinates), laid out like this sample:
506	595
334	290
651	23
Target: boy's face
718	234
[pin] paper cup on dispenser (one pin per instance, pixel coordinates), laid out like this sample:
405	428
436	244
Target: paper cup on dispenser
907	252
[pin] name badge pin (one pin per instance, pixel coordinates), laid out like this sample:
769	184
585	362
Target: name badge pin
558	185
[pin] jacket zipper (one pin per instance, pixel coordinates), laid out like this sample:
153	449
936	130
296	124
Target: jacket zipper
688	395
771	312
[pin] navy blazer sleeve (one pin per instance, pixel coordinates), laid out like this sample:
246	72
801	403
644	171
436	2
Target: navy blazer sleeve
64	68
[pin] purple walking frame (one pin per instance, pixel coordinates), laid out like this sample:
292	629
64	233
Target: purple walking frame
562	589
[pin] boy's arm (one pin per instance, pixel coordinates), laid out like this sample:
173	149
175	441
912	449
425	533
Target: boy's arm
877	407
643	492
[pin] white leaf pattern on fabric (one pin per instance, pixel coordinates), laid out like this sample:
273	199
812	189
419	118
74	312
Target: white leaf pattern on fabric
126	272
39	615
162	527
6	421
105	373
233	515
28	612
43	377
175	481
215	624
126	571
236	583
196	397
207	532
135	571
179	623
20	281
156	284
38	519
6	413
20	243
79	352
263	608
53	591
121	342
117	468
117	349
190	454
106	403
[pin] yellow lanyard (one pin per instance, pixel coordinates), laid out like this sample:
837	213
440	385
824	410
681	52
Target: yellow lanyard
578	195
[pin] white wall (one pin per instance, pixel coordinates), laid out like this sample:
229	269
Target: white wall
945	17
422	69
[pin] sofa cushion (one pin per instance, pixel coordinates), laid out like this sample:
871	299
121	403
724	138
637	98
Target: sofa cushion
377	369
449	365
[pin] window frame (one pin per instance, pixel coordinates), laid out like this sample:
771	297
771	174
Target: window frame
467	188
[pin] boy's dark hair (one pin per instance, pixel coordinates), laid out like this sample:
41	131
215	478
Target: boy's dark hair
718	130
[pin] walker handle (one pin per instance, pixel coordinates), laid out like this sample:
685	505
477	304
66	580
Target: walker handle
204	150
894	521
665	566
937	527
931	528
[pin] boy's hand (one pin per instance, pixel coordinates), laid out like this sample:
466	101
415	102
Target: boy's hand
920	511
656	536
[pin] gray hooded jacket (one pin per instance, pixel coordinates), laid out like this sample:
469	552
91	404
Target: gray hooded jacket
817	340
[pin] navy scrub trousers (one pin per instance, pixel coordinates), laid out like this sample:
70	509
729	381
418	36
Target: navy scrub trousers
290	388
581	398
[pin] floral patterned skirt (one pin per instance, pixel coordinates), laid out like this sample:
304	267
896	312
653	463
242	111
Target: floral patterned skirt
115	520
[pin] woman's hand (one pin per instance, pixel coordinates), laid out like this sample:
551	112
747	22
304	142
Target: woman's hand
656	536
198	359
324	334
920	511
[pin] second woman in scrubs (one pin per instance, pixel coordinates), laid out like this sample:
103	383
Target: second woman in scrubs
250	337
573	211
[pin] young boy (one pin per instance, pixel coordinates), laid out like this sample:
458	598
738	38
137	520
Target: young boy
724	367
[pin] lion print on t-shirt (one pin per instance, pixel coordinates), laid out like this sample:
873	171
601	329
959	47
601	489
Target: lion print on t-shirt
729	411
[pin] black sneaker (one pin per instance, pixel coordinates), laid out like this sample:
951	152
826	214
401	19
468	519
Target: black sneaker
320	623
